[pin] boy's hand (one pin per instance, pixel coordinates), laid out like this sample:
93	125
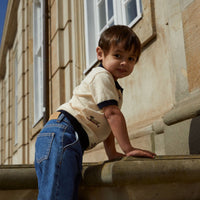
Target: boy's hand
116	155
141	153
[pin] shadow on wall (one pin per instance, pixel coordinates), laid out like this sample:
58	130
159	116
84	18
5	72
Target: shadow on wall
194	136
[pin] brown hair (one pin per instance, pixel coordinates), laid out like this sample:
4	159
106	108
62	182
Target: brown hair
120	34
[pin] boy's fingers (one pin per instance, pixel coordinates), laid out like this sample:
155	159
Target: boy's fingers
141	153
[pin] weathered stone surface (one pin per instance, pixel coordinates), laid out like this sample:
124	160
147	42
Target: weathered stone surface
162	178
165	177
17	177
191	29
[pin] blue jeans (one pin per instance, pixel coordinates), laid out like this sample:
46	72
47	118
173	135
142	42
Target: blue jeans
58	161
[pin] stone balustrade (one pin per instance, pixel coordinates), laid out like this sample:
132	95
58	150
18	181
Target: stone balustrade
165	177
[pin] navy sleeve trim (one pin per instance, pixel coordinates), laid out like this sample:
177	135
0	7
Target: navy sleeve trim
107	103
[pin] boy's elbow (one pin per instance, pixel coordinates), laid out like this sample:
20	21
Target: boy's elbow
111	111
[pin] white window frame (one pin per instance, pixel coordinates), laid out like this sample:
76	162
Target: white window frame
92	31
38	68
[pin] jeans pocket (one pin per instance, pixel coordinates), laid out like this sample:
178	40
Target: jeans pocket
71	141
43	146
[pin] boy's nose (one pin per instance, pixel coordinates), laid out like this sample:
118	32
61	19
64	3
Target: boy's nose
124	62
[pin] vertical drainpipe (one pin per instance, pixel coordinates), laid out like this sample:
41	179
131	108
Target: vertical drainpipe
45	63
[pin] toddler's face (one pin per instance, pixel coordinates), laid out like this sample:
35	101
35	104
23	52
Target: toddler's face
117	61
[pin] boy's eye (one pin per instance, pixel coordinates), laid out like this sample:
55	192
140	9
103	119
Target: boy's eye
117	55
132	59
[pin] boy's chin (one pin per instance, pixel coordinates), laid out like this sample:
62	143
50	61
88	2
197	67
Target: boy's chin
121	76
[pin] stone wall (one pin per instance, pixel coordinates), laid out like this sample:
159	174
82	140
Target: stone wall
160	97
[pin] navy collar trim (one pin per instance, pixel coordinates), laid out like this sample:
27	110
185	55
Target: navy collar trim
117	85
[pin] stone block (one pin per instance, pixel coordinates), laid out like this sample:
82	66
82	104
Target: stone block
159	142
58	89
20	110
26	154
26	131
26	106
95	155
163	178
68	82
32	150
143	142
19	194
18	156
20	89
191	31
54	18
66	12
52	1
20	46
177	138
57	51
6	150
20	17
67	45
20	134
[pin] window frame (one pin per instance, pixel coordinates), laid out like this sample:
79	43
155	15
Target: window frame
38	68
118	17
139	12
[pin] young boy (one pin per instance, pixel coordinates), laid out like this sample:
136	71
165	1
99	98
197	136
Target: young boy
92	115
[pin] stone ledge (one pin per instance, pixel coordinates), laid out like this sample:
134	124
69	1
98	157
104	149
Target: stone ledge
17	177
186	109
165	177
162	169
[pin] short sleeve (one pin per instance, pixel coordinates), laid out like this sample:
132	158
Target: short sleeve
103	90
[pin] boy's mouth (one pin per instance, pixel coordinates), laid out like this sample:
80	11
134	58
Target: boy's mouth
121	70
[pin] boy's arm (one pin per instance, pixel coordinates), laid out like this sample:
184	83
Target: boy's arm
110	149
118	126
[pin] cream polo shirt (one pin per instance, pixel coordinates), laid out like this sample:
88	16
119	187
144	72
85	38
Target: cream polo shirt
97	90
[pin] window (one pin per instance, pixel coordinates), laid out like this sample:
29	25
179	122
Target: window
16	98
101	14
38	59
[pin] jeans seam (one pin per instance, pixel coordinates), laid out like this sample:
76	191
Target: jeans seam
57	183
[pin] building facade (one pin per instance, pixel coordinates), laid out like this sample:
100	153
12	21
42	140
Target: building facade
49	46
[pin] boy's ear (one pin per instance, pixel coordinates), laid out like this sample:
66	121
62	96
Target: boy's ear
99	53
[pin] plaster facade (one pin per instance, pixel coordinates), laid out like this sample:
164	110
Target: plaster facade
160	97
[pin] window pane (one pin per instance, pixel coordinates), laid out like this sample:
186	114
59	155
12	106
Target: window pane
41	84
102	14
38	88
110	8
36	85
140	6
38	25
90	32
38	61
131	11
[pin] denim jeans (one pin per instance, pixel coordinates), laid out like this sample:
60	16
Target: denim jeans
58	161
